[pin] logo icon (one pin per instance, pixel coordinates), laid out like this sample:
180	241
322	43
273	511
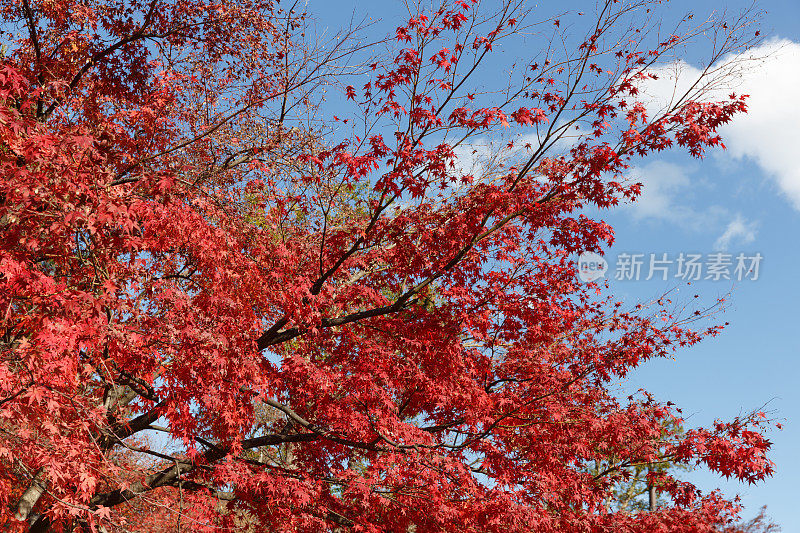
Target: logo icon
591	266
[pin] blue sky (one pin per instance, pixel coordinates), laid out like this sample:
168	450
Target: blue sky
745	199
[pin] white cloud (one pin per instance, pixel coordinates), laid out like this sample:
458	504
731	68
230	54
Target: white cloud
564	140
667	190
471	158
672	82
738	230
768	134
661	183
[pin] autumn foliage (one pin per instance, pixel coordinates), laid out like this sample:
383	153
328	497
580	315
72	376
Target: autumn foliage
256	280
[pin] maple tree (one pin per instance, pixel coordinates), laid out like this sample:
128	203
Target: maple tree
224	305
760	523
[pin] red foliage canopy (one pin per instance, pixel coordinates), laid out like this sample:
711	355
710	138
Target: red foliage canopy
223	306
